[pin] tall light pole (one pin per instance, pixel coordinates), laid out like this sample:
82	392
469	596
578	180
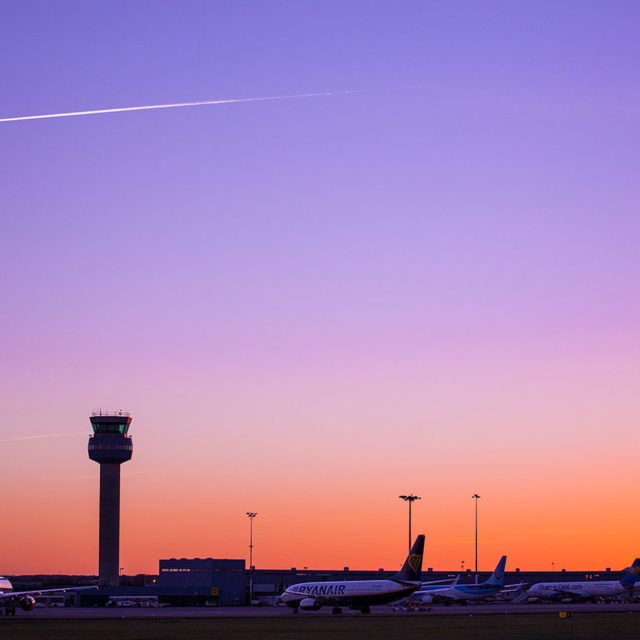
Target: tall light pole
475	496
410	498
251	516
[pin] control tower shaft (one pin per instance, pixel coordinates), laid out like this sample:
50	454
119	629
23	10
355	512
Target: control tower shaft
110	446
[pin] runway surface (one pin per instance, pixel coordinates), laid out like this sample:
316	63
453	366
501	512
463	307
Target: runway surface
256	612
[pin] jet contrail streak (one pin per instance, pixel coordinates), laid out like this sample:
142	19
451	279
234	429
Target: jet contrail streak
176	104
41	437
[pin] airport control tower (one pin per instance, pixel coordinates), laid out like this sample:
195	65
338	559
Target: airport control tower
110	446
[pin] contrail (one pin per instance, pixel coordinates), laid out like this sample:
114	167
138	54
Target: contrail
175	105
41	437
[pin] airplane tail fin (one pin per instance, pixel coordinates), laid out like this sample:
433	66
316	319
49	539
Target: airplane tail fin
497	577
632	574
412	567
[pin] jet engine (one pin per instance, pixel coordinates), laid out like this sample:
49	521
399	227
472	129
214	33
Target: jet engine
309	604
27	603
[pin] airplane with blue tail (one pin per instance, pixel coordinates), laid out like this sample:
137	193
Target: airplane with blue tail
463	593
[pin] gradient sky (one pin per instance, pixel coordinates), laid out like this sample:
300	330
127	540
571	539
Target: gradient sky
311	306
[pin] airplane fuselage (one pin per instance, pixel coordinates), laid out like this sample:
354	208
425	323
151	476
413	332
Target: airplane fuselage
355	593
595	589
463	592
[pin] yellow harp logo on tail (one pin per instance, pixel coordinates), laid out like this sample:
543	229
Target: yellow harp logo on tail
415	562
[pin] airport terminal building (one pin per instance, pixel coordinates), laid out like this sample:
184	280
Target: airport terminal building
220	582
225	582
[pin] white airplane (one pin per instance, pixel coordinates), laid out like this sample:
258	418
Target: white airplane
359	594
10	599
588	589
463	592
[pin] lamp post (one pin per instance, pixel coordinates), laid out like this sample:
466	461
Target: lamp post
410	498
475	496
251	516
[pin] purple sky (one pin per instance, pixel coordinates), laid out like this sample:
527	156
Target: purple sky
455	262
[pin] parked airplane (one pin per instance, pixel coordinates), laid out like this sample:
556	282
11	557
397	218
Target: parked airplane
359	594
10	599
463	592
591	589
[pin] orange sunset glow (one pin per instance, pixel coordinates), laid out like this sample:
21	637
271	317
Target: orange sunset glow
415	271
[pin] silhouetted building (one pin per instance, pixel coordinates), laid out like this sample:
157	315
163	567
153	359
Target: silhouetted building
220	581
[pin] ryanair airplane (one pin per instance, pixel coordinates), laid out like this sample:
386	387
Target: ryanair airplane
359	594
9	598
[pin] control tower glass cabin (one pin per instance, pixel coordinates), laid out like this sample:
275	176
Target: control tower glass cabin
110	446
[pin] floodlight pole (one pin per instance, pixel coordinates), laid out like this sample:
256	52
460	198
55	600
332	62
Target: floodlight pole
475	496
251	516
410	498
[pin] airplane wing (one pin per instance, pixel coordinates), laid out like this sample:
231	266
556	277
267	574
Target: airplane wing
444	581
520	586
8	595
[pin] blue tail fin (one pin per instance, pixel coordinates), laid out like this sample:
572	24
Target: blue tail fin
412	567
632	574
497	577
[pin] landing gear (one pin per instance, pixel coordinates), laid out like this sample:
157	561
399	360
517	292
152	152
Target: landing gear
336	610
295	609
9	611
365	609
